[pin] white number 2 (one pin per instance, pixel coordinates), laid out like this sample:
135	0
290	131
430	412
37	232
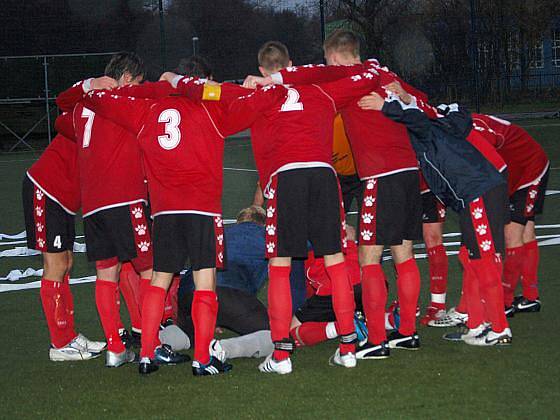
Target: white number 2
57	242
172	136
292	102
90	115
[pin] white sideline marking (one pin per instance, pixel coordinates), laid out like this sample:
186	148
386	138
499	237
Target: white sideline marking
240	169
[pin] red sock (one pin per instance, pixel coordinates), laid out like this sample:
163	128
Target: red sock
408	290
144	286
343	303
489	273
168	308
174	291
462	307
129	284
69	301
52	298
529	278
475	308
105	299
204	313
151	316
437	259
512	272
120	325
310	333
374	298
279	306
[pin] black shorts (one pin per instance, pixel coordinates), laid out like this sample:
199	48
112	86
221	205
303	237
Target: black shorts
391	210
194	237
238	311
527	202
433	210
48	226
482	223
304	205
120	232
351	188
320	308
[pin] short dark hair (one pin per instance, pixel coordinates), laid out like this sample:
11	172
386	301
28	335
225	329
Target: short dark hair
194	66
125	62
273	55
343	41
253	214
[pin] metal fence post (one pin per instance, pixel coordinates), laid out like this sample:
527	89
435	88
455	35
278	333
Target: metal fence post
47	108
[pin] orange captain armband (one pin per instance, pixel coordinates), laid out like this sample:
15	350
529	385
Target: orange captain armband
211	92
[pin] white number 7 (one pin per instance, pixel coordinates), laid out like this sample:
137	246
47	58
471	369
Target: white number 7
90	115
292	102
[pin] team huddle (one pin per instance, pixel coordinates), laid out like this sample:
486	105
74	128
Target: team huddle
144	163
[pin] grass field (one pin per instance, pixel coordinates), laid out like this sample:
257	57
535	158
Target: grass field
442	380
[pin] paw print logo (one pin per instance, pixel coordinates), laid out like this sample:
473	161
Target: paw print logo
144	246
140	230
220	239
356	78
343	225
38	211
137	212
367	217
345	243
187	80
370	184
199	82
366	234
270	211
369	200
291	69
268	87
441	213
532	194
477	213
482	229
270	247
219	221
39	194
368	75
221	257
271	230
41	243
486	245
529	208
271	193
40	227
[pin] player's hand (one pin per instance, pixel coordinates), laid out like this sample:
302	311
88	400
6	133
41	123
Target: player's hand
168	76
397	89
104	82
371	102
252	82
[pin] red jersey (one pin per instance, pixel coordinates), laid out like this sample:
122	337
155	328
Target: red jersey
380	145
477	137
526	159
316	275
56	171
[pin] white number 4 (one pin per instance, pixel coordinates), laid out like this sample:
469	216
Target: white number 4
90	115
292	102
57	242
172	137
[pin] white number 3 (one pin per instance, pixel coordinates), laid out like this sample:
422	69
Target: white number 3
292	102
172	137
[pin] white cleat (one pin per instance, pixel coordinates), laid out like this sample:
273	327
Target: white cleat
281	367
89	345
118	359
479	331
451	319
491	338
70	352
216	350
347	360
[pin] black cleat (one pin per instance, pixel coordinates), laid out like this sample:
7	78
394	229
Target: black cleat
407	342
373	351
509	311
146	366
213	367
165	356
525	305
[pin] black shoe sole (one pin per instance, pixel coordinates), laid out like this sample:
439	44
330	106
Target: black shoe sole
145	369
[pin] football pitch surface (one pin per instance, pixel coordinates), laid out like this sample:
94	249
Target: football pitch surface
441	380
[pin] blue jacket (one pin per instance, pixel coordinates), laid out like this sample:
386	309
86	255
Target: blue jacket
456	172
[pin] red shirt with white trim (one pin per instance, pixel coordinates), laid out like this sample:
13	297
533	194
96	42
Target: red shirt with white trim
477	137
56	171
525	158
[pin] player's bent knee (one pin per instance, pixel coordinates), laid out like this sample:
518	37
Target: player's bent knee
55	265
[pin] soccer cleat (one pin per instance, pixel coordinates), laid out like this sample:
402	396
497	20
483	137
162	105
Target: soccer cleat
456	335
347	360
509	311
216	350
163	355
491	338
373	351
432	314
526	305
281	367
146	366
408	342
466	334
360	327
213	367
451	319
114	360
70	352
89	345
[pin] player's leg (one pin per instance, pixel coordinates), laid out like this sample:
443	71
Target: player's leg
129	285
314	322
514	259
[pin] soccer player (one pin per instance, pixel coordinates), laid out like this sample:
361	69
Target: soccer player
51	198
528	176
114	198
